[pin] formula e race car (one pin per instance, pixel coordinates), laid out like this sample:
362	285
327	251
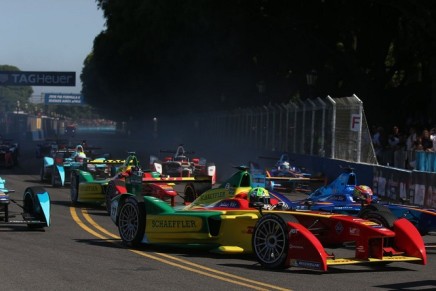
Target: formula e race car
222	222
153	183
179	165
36	207
90	180
57	167
48	146
285	177
9	151
343	195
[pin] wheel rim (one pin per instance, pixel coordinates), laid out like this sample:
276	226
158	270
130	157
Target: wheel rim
128	222
270	242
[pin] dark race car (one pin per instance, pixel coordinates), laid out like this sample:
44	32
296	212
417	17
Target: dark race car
180	165
9	152
46	147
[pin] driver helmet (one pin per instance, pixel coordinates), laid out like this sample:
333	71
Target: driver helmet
362	192
259	194
79	148
284	166
80	154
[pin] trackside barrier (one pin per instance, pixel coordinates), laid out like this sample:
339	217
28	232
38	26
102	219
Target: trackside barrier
416	187
388	183
425	161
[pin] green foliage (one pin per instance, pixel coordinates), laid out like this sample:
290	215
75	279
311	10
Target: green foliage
12	96
167	57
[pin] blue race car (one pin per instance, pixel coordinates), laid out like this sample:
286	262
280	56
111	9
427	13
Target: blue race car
345	196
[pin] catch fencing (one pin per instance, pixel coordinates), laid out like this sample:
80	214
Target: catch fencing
331	127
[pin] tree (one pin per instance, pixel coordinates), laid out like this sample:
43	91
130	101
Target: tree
169	57
12	97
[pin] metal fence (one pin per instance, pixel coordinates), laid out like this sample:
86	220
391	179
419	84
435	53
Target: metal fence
327	127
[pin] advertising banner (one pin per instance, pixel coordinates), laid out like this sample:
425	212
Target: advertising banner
20	78
62	99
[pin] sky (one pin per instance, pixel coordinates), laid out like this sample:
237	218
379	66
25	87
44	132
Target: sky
49	35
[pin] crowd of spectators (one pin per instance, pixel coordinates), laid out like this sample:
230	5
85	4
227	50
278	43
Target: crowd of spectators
396	147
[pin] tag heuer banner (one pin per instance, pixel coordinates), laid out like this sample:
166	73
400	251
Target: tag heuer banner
19	78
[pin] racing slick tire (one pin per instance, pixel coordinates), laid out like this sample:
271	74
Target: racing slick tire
41	174
110	193
55	178
74	188
131	222
270	240
31	208
375	207
385	218
190	194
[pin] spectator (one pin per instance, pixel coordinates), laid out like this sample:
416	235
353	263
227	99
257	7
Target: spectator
380	143
427	143
410	141
433	137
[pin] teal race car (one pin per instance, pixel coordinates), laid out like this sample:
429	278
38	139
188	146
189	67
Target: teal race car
90	180
35	208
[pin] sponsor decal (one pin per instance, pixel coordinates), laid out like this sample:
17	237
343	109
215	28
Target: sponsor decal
308	264
171	223
228	204
293	231
354	231
90	188
212	196
296	247
339	227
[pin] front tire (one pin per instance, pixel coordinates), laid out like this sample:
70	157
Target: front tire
131	222
74	188
270	240
31	207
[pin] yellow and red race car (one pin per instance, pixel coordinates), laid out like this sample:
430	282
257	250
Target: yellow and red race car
153	183
224	221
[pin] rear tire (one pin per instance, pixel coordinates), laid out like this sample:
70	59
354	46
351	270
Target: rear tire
190	193
385	218
131	222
